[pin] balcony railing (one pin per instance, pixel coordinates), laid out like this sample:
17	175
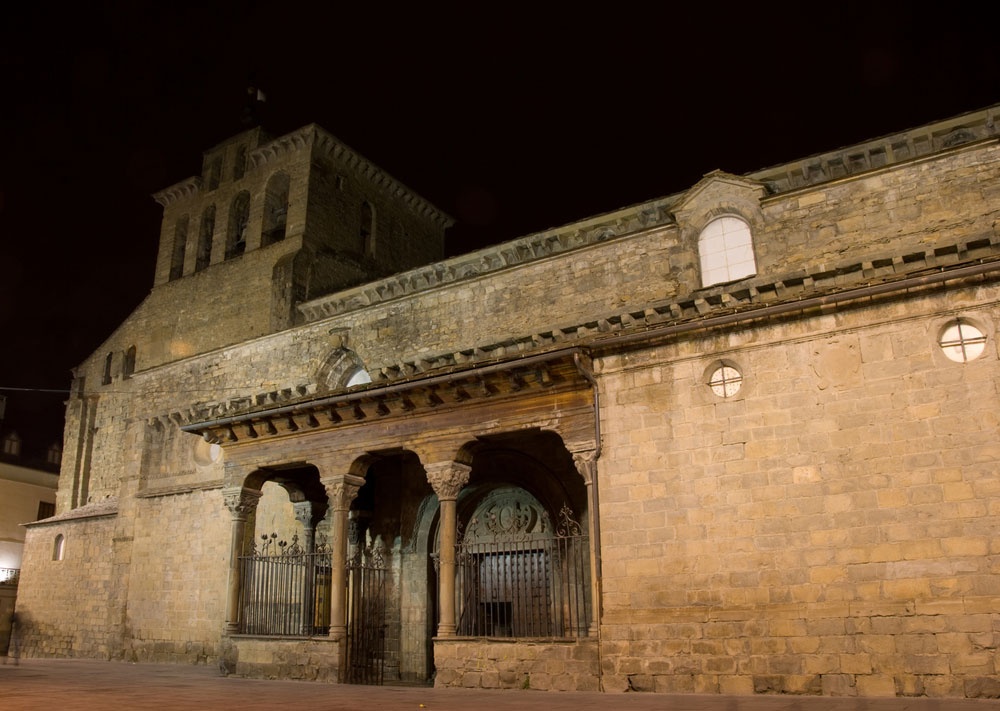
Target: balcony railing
9	576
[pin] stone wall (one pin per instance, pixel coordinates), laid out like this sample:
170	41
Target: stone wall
62	605
179	567
829	529
306	660
570	665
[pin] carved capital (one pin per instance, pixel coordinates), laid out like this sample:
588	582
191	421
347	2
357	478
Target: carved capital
241	502
342	489
585	461
447	478
308	513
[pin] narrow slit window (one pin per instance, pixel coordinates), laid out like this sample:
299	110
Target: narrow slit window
180	248
204	256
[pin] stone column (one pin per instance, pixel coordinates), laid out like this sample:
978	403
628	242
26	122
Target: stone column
447	480
307	513
585	460
241	502
341	491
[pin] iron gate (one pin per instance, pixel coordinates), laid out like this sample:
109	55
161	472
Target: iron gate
285	590
514	583
367	580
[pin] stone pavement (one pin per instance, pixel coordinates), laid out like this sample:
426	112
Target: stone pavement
76	684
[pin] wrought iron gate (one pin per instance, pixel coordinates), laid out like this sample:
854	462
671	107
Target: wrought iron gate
367	580
284	589
513	582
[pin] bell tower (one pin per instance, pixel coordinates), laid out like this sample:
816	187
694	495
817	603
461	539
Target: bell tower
274	221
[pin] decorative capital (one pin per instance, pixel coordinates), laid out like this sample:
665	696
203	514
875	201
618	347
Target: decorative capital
342	489
308	513
241	502
447	478
585	460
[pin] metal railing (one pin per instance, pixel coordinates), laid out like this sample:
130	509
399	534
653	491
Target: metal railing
286	593
517	584
10	576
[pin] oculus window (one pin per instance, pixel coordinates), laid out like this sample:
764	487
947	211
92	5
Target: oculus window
725	248
725	381
962	342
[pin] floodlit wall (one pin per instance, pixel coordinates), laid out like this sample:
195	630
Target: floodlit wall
825	530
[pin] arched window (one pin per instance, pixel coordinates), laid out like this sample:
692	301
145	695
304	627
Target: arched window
214	170
367	235
128	367
58	547
275	210
204	256
358	377
725	248
180	246
240	164
106	378
239	215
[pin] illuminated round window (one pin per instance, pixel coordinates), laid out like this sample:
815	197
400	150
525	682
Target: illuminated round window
962	342
725	381
206	453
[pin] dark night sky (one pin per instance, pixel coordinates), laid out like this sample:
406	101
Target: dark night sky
512	118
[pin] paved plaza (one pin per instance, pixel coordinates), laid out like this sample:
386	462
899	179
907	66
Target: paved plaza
76	684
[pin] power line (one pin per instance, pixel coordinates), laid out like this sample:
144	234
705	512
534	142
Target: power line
33	390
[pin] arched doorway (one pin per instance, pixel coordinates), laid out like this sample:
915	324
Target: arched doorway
388	619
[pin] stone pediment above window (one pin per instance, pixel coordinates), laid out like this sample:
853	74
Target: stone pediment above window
718	219
719	193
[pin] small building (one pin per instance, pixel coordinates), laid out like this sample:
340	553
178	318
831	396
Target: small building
28	482
738	440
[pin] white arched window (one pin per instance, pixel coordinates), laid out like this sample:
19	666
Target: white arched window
725	248
358	377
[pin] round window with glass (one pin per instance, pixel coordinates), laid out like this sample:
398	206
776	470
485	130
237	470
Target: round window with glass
725	381
962	342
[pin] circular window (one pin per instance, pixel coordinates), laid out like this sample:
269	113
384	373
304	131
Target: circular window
725	381
206	453
962	342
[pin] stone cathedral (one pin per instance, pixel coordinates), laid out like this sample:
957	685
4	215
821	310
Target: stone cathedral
741	439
